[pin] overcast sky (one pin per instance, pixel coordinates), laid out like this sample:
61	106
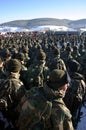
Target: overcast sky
29	9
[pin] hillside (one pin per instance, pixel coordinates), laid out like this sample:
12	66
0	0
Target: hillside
46	21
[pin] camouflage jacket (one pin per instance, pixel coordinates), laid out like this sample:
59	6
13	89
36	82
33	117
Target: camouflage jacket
76	94
52	117
11	92
2	73
2	76
60	118
57	63
34	76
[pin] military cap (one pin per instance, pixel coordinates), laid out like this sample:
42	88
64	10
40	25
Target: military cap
20	56
6	53
41	55
57	79
57	51
13	65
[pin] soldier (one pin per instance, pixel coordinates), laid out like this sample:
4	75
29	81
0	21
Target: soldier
67	54
47	117
57	62
75	53
12	90
6	57
83	65
56	89
82	49
21	57
37	72
76	91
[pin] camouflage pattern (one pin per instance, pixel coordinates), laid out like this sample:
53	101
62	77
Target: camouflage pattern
75	93
76	55
35	109
46	110
83	64
37	72
11	92
57	63
3	75
21	57
67	54
35	75
34	41
60	117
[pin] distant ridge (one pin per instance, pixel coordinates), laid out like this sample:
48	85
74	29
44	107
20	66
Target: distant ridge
76	24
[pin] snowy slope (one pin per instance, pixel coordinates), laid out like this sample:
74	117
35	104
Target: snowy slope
39	28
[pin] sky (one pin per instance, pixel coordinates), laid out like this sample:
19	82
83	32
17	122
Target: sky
11	10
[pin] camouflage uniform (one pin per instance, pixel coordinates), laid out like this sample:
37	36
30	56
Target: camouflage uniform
59	118
76	55
2	72
57	62
11	91
83	65
76	91
37	73
21	57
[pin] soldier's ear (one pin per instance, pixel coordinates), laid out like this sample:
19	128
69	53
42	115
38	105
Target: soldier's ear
64	87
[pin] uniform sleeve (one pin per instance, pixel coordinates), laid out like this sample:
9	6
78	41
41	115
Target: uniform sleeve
68	125
61	118
57	118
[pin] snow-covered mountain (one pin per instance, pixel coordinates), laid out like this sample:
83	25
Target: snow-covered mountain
50	27
10	29
38	28
42	24
33	23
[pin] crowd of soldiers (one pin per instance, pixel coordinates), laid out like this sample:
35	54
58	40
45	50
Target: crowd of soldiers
56	63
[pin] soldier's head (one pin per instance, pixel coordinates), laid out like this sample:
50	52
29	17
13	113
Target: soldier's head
73	65
6	55
41	57
58	79
57	52
14	66
20	56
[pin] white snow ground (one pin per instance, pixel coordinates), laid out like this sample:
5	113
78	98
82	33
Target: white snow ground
39	28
